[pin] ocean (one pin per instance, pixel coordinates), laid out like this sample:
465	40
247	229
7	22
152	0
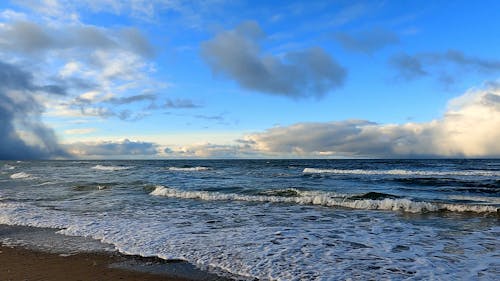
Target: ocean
271	219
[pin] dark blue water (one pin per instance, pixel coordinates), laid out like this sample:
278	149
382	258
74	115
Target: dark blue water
275	219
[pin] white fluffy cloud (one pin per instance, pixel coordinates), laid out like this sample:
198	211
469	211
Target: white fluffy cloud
469	128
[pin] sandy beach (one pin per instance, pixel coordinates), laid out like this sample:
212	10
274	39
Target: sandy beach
22	264
22	257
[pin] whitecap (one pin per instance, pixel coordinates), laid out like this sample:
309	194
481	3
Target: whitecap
8	167
188	169
111	168
400	172
328	199
21	175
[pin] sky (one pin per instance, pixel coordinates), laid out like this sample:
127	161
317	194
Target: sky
172	79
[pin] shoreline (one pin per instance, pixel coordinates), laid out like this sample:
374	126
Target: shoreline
19	263
22	258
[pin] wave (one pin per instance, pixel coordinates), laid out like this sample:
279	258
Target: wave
443	184
94	186
492	200
21	175
401	172
111	168
329	199
8	167
189	169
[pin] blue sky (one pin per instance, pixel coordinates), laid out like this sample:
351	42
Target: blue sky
203	79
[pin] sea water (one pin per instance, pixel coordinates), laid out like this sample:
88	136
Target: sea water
274	219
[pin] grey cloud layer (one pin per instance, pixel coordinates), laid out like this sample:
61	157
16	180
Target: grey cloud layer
445	65
113	148
20	110
180	103
352	138
236	54
32	38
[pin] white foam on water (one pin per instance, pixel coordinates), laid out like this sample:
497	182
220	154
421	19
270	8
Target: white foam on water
111	168
189	169
328	199
349	245
21	175
401	172
492	200
8	167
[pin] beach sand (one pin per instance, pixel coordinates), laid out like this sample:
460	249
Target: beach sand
22	258
22	264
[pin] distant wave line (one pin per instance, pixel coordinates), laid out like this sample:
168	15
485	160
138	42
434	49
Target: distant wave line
400	172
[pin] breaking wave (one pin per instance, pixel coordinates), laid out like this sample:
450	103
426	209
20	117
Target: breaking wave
401	172
8	167
189	169
329	199
21	175
111	168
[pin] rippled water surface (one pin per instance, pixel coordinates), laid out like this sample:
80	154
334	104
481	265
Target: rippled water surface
275	219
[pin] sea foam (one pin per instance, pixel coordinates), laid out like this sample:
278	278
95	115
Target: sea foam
188	169
21	175
111	168
401	172
328	199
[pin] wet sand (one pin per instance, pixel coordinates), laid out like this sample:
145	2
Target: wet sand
22	258
22	264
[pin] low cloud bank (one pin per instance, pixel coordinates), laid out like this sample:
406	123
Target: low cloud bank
110	149
469	128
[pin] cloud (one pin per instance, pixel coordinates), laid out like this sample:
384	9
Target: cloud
219	117
469	128
33	38
132	99
23	136
192	14
237	54
113	148
444	65
74	59
367	41
81	131
350	13
180	103
210	150
409	67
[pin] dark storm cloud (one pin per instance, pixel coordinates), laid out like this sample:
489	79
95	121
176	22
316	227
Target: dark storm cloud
366	41
114	148
18	107
236	54
445	66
